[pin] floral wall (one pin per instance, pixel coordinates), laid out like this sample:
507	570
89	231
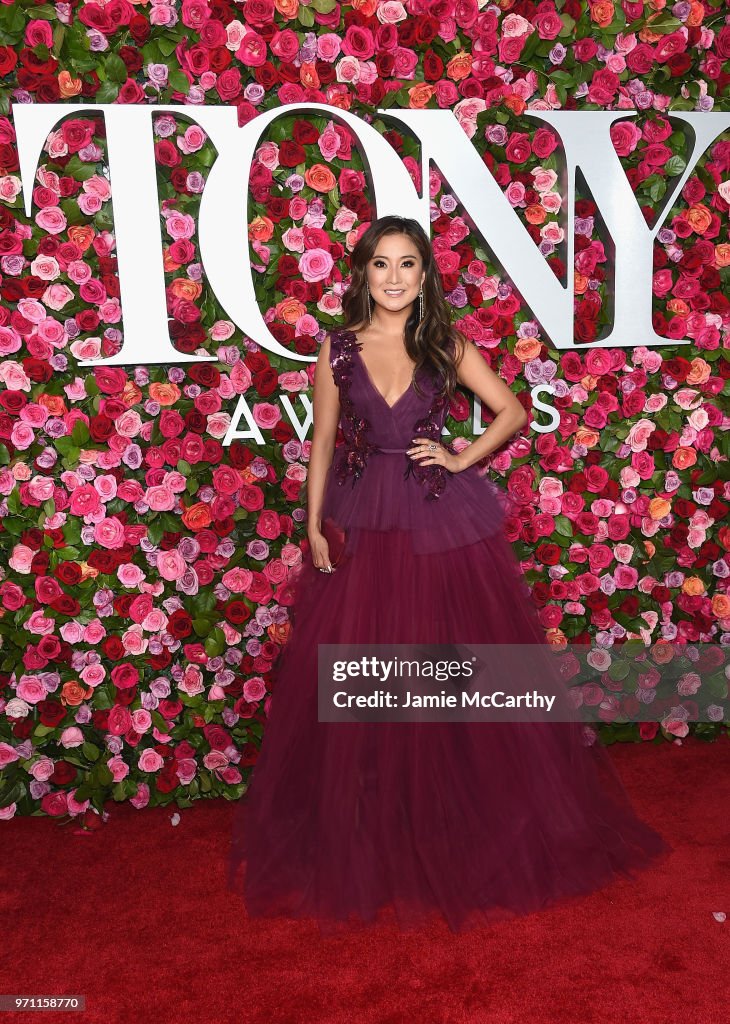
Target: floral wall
147	568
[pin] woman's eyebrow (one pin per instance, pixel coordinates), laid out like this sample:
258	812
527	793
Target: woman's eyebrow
410	256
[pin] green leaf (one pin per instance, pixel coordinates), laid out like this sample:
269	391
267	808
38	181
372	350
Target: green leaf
179	81
305	16
675	165
116	69
80	433
59	34
12	795
665	23
564	526
107	92
91	751
167	45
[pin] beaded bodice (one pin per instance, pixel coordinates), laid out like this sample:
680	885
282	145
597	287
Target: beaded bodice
373	428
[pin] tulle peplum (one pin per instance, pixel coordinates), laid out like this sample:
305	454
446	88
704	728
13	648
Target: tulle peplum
468	821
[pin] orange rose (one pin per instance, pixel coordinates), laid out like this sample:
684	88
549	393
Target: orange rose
260	229
131	394
683	458
184	288
514	103
556	637
678	306
647	36
657	5
308	76
695	16
649	548
527	349
693	586
535	214
662	652
68	86
366	7
73	693
290	310
589	382
54	403
659	507
339	97
587	437
287	8
602	13
419	95
81	236
700	371
459	66
699	217
165	393
722	255
168	263
580	283
320	178
87	572
197	517
279	632
721	606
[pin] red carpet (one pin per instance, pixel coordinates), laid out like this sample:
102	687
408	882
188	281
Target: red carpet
136	917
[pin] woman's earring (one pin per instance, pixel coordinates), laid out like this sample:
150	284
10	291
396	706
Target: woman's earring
370	308
420	299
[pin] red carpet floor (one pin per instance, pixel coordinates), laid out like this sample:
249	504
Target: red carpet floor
137	918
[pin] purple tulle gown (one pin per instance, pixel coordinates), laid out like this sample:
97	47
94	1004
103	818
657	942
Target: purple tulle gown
467	821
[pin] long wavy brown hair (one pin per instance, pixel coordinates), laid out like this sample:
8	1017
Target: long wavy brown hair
433	342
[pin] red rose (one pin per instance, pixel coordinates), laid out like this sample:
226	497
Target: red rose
548	554
291	154
8	60
51	712
518	148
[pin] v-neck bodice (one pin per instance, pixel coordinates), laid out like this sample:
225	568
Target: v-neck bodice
374	483
376	389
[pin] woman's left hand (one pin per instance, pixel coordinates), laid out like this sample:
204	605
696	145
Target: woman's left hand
421	452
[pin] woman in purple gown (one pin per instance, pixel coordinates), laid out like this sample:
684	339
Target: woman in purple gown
473	821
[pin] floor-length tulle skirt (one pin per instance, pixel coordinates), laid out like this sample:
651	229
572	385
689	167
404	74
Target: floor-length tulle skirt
474	821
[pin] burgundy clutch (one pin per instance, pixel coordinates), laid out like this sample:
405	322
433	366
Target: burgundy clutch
335	537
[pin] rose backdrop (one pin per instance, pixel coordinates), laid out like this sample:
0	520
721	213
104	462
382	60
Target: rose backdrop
146	575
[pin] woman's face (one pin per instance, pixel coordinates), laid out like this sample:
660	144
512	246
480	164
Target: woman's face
395	273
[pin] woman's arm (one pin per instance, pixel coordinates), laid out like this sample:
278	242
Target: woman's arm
492	391
326	418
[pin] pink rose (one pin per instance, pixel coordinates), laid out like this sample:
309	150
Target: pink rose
109	533
130	575
316	265
171	565
118	767
9	754
329	47
160	498
93	675
72	737
150	761
94	632
31	690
